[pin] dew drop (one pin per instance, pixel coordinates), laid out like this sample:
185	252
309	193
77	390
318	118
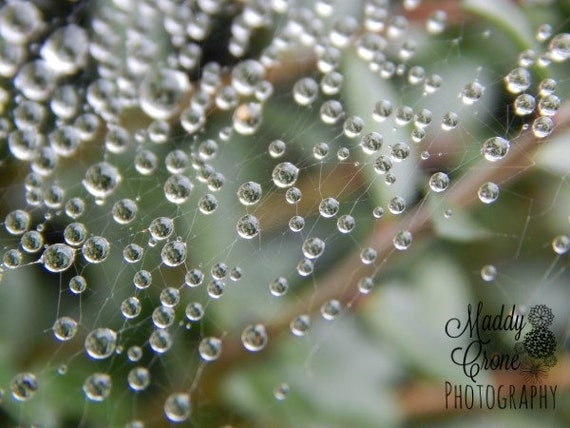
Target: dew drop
177	189
96	249
64	328
285	174
177	407
488	273
542	126
138	378
495	148
561	244
101	343
131	307
438	182
97	387
300	325
488	192
331	309
58	257
254	337
173	253
160	341
249	193
210	348
23	386
402	240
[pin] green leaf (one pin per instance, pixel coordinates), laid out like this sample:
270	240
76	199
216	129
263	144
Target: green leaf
507	15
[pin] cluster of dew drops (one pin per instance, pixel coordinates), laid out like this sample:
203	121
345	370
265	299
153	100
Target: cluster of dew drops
49	116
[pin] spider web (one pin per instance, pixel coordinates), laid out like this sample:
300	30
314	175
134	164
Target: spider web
353	238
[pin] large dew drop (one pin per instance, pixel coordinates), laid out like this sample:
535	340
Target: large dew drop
23	386
177	407
162	93
495	148
58	257
254	337
97	387
101	343
248	226
173	253
101	179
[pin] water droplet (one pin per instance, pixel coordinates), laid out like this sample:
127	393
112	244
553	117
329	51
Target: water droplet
402	240
161	228
58	257
330	309
548	105
142	279
96	249
285	174
404	115
542	126
368	255
133	253
210	348
300	325
131	307
378	212
281	391
32	241
313	248
472	92
293	195
371	142
160	341
101	343
518	80
77	284
449	121
524	104
177	407
296	223
331	83
194	311
193	278
163	316
254	337
23	386
488	273
547	86
249	193
101	179
345	223
400	152
561	244
177	189
97	387
305	267
329	207
64	328
438	182
246	75
277	148
75	233
278	286
305	91
331	111
247	118
173	253
138	378
488	192
207	204
382	164
17	222
248	226
162	92
436	22
397	205
495	148
215	288
559	47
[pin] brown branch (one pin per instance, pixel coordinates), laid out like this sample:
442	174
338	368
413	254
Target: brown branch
341	282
